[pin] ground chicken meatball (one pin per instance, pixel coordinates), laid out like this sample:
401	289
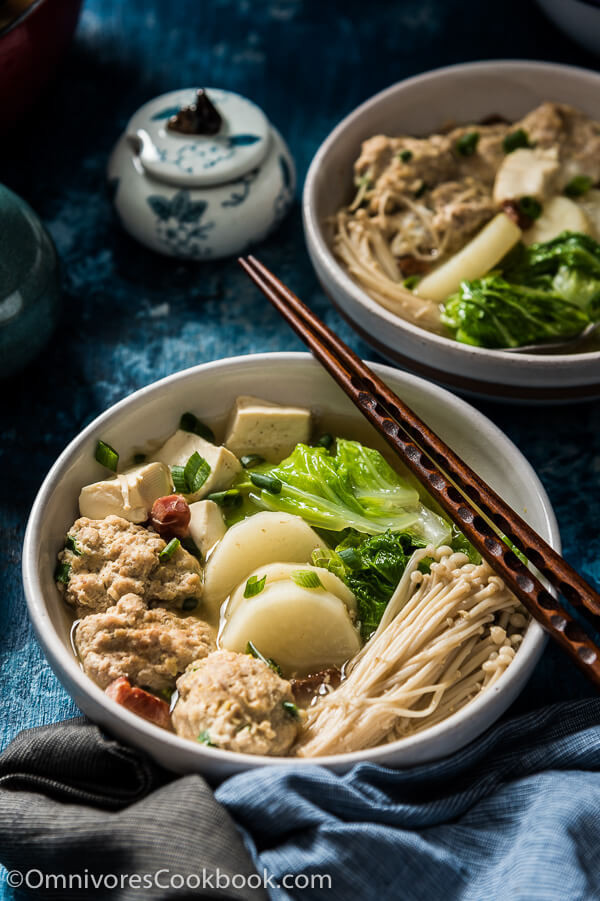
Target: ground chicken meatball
237	703
150	647
109	558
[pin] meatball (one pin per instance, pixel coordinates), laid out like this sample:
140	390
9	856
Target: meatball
150	647
109	558
237	703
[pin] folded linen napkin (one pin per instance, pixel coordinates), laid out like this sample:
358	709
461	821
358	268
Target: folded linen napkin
516	815
73	801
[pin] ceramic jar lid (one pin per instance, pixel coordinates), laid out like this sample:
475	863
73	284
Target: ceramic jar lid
200	160
201	174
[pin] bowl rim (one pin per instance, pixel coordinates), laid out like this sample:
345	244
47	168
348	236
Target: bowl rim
313	227
14	23
69	672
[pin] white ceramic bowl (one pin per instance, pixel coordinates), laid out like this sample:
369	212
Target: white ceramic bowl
580	19
420	105
210	390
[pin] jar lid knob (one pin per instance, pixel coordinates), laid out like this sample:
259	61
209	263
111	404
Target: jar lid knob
199	118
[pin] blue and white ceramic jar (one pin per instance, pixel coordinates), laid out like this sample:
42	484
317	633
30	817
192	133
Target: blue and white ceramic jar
197	195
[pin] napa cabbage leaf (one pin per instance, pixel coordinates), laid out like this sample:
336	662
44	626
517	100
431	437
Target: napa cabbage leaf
352	488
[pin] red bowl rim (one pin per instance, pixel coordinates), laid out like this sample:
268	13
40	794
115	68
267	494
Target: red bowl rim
21	17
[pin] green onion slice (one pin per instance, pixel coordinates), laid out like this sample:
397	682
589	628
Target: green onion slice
351	557
107	455
71	545
325	440
578	185
229	498
405	156
530	207
179	480
269	483
168	551
254	586
252	649
306	578
411	282
191	547
196	472
204	739
62	573
291	709
466	145
191	423
515	140
249	460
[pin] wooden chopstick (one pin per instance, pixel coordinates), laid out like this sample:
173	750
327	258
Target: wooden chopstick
461	493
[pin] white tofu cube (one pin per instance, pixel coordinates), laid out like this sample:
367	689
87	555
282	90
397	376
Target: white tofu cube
207	526
224	466
130	494
259	427
526	173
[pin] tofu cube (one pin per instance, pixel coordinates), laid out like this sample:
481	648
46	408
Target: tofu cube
129	495
224	466
259	427
526	173
207	526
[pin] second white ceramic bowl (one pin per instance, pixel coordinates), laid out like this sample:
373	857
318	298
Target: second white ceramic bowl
210	390
419	106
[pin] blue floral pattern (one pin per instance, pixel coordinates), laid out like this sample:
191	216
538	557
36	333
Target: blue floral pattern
241	189
178	224
195	155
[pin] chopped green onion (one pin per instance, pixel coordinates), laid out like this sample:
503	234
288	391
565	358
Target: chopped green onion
269	483
466	145
515	140
62	573
578	185
351	557
229	498
191	423
411	282
107	455
405	156
291	709
306	578
254	586
325	440
420	191
252	649
530	207
139	458
71	545
165	693
251	460
189	604
196	472
190	478
191	547
168	551
204	739
179	480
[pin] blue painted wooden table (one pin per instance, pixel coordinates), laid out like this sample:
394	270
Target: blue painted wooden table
131	317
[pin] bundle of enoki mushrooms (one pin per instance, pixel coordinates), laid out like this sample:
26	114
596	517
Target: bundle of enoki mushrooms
445	636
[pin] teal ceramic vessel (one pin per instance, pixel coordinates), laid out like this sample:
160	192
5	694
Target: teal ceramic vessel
29	285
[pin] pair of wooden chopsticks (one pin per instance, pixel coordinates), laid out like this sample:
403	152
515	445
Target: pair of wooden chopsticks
465	497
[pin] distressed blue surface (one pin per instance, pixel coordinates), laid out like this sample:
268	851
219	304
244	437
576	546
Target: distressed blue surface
131	316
